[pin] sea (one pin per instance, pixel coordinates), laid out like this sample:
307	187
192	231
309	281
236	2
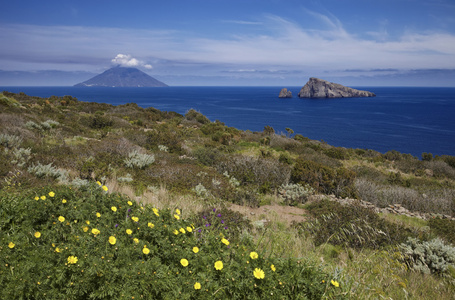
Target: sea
406	119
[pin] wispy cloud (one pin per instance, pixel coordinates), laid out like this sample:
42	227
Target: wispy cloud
126	60
281	44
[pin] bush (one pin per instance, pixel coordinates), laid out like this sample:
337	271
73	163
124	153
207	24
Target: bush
49	170
351	225
10	141
444	228
324	179
112	248
139	160
294	194
428	257
193	115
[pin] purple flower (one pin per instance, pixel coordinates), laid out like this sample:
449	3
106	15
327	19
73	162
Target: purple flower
222	221
129	210
200	230
207	225
225	227
214	209
204	217
116	225
219	215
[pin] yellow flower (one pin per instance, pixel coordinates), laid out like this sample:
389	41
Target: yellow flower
197	286
104	188
258	273
95	231
129	231
72	259
189	229
184	262
51	194
85	229
273	268
254	255
43	197
334	283
64	201
224	241
151	225
113	208
61	219
130	203
98	183
36	198
37	234
176	231
135	219
136	240
195	249
177	211
155	211
182	230
98	214
146	250
177	217
11	245
112	240
57	250
87	222
218	265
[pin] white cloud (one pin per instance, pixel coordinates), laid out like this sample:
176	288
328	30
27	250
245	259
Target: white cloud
125	60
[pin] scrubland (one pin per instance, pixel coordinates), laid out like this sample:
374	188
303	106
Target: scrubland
121	202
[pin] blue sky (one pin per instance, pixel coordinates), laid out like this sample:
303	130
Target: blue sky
235	42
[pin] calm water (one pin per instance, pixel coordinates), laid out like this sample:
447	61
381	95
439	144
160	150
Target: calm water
407	119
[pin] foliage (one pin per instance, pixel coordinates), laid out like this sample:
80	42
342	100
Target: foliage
324	179
351	225
443	228
193	115
10	141
85	243
428	257
139	160
49	170
294	193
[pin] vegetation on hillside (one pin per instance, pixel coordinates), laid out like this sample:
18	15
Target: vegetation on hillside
181	173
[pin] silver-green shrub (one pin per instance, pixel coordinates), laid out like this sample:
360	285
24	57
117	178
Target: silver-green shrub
126	178
40	171
139	160
32	125
428	257
78	182
293	194
21	156
201	191
49	124
10	141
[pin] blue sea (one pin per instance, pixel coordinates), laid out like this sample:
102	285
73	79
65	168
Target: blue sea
407	119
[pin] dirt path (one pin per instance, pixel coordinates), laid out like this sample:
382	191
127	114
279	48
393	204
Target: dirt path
275	212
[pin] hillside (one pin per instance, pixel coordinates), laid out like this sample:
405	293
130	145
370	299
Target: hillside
122	77
230	188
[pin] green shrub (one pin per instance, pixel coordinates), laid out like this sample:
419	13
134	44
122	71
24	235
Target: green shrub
324	179
207	156
351	225
444	228
428	257
85	243
193	115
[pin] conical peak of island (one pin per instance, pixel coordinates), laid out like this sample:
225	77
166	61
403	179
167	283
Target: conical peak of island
122	77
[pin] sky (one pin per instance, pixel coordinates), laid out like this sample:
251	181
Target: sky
235	42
